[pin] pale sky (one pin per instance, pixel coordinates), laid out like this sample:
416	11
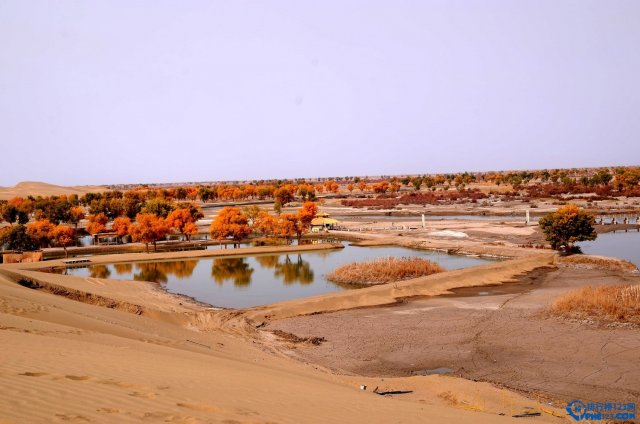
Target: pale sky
100	92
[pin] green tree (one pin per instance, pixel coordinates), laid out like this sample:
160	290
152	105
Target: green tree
17	238
159	207
566	226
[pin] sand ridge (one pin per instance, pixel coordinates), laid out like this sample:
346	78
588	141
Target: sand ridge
36	188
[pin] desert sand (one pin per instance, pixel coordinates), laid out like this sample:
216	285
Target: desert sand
97	350
34	188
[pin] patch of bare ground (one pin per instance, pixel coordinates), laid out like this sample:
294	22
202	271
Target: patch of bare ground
383	270
604	304
499	334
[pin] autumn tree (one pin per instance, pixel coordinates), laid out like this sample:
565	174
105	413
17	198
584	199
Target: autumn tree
121	226
148	228
230	223
285	194
285	226
41	232
264	223
183	220
63	236
568	225
97	223
252	212
307	213
381	187
76	214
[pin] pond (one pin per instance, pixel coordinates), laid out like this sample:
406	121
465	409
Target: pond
619	244
240	282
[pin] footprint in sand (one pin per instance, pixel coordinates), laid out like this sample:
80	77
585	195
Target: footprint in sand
108	410
73	417
201	407
34	374
168	417
144	395
121	384
77	377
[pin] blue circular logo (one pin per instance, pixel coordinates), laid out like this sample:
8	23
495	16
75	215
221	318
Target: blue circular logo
577	409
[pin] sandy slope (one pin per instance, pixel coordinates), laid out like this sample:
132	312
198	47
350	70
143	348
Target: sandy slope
66	360
34	188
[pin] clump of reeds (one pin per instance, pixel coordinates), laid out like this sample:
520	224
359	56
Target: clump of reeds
591	261
383	270
619	304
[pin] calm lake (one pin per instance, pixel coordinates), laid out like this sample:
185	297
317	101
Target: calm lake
242	282
620	245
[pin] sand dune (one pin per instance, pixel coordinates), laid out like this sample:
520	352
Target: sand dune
35	188
68	359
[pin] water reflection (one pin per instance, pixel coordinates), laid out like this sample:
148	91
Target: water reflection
294	272
123	268
232	269
159	271
298	271
99	271
238	282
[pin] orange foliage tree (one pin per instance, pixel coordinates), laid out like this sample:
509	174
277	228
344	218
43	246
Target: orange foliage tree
285	194
148	228
230	223
63	236
183	220
121	226
76	214
286	226
264	223
40	231
306	214
97	224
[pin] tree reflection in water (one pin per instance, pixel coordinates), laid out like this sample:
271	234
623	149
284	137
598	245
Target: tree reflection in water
290	271
158	272
99	271
293	272
268	261
123	269
235	269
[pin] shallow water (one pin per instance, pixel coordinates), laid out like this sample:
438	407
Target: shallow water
434	371
258	279
619	244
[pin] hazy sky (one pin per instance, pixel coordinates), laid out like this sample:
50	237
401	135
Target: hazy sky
97	92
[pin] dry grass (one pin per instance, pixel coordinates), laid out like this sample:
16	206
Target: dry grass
619	304
384	270
602	262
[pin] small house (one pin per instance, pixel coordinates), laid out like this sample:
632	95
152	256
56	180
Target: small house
322	222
